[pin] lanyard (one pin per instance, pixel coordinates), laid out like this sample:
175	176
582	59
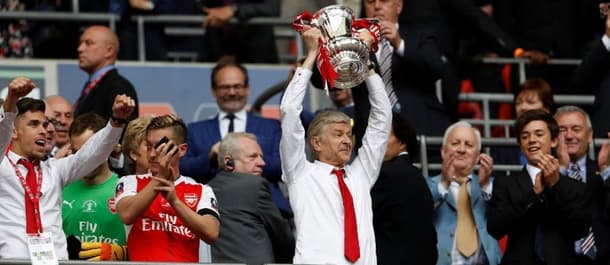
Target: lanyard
91	85
34	197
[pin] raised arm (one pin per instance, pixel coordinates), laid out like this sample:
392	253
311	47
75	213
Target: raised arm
17	88
98	148
375	139
292	144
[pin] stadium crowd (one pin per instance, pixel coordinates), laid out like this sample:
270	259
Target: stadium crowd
94	180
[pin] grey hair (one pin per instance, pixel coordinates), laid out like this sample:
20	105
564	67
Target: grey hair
230	146
320	121
571	109
477	134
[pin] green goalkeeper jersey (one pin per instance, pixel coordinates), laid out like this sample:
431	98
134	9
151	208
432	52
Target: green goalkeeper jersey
89	212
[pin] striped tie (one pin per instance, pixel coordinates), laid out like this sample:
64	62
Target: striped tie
588	245
386	72
575	172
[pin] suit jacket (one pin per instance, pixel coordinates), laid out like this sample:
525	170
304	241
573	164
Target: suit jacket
101	97
251	230
445	220
402	215
593	76
249	43
601	228
413	77
561	213
202	135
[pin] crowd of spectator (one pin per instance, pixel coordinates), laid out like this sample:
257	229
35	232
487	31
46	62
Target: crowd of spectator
96	181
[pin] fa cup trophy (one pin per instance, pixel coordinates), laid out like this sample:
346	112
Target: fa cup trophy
342	59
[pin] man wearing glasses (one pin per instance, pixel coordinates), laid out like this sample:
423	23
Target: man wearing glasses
230	88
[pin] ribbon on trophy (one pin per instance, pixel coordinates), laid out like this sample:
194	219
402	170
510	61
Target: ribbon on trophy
323	61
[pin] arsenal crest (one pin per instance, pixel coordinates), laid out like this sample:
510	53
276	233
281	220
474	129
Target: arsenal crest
191	199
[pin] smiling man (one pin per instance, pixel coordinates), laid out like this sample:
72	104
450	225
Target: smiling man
542	212
459	192
575	135
230	87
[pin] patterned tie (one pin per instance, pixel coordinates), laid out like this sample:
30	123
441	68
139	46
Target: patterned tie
587	245
30	180
385	67
230	117
466	237
350	240
575	172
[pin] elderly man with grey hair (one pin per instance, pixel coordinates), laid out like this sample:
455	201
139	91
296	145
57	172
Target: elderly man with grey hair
252	230
460	200
575	136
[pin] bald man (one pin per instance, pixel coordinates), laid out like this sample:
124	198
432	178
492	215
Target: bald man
97	52
59	110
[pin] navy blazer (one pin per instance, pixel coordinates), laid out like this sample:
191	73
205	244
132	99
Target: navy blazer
202	135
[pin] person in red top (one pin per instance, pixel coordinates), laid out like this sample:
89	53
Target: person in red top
166	214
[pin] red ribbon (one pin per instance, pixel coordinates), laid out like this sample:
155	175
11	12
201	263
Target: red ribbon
372	25
327	71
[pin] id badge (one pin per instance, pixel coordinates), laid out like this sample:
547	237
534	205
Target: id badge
42	250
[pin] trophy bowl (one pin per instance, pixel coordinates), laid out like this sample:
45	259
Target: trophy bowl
348	56
334	21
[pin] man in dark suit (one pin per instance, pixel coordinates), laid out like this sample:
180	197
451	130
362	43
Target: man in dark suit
542	212
415	66
248	43
401	191
231	89
451	20
593	77
575	135
252	230
97	53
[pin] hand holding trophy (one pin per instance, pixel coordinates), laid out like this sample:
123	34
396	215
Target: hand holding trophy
342	59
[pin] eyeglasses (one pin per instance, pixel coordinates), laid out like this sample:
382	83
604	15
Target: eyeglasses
51	121
227	87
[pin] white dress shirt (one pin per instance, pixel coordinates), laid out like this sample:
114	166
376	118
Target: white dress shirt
314	192
239	122
57	173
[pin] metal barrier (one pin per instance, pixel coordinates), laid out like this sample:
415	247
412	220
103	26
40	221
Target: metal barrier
141	20
486	98
111	19
522	62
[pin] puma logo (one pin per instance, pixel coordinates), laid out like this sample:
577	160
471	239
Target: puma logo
68	203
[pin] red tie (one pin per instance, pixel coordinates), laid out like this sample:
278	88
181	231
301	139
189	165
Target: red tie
30	179
352	247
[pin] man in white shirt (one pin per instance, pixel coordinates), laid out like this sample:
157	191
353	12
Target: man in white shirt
320	191
38	190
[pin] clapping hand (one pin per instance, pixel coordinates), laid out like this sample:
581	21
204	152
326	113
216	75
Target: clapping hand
486	168
167	154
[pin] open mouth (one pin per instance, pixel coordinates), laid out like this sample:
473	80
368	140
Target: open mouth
40	142
533	149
